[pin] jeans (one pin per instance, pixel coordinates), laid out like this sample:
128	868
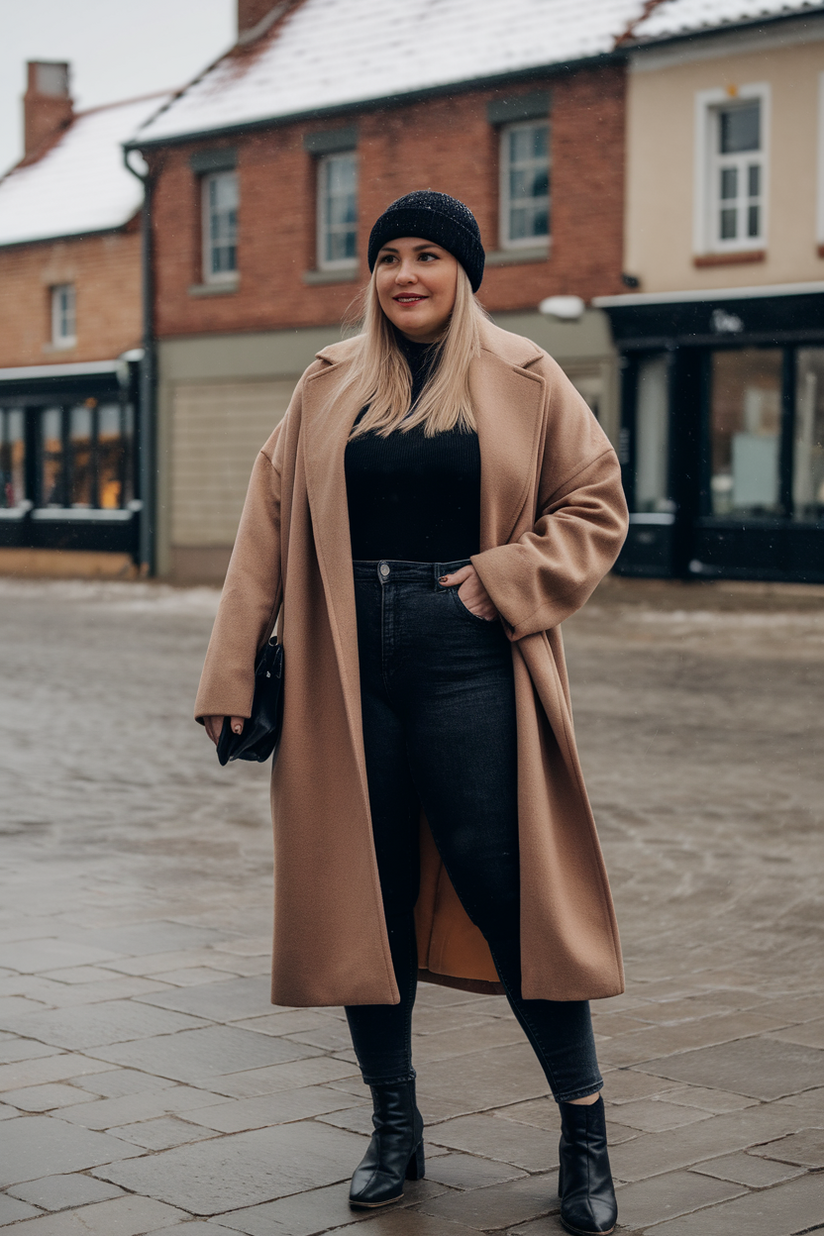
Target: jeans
438	705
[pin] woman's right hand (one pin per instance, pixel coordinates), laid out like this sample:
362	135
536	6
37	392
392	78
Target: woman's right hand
215	724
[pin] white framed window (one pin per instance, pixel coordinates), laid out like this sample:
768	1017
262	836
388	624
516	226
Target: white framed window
220	206
732	169
63	319
337	210
524	184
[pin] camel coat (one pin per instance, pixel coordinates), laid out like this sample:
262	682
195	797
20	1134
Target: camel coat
553	519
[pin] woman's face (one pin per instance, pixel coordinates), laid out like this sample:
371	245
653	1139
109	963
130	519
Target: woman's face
416	282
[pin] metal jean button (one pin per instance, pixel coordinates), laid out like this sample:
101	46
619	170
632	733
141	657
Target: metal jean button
384	569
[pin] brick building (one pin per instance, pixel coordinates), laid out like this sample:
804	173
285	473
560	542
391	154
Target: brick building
70	331
268	170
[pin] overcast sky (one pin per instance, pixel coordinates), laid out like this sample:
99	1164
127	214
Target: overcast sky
117	49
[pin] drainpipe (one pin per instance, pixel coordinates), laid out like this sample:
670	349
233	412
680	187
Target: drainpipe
147	417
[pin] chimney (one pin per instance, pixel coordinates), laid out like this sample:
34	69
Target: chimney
250	13
47	104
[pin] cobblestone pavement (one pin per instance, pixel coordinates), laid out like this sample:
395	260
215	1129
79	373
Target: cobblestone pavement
148	1086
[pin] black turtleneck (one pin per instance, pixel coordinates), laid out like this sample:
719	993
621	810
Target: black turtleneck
413	498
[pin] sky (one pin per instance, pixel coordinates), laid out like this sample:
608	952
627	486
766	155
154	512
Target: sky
118	49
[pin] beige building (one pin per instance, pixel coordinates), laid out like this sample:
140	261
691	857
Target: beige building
723	342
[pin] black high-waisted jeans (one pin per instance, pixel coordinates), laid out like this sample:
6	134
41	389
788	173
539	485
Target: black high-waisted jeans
438	702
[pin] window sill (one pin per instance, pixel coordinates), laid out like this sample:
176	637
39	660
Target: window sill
341	274
60	348
737	258
214	289
513	257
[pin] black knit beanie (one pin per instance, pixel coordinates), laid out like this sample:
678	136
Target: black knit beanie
436	217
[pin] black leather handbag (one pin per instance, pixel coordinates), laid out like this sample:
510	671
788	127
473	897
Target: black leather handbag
261	733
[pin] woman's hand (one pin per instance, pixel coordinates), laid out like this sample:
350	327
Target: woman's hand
471	591
215	724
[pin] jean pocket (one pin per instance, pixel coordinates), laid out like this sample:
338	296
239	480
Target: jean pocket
462	609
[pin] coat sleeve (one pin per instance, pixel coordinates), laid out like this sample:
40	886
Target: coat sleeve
251	594
550	571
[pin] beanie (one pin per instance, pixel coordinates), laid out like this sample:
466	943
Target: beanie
436	217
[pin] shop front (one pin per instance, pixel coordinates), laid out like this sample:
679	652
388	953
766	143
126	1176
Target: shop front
722	432
68	457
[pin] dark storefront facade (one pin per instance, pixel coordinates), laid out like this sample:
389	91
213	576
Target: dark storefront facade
68	454
722	437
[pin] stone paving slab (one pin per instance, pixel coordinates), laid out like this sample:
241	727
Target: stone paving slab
498	1206
747	1169
521	1145
118	1021
208	1178
65	1192
782	1211
318	1210
11	1210
761	1068
665	1197
124	1216
37	1146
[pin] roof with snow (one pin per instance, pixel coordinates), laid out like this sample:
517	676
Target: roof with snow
674	18
80	184
336	53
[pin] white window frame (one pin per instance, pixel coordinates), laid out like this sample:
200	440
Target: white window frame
63	315
323	224
209	275
708	104
522	242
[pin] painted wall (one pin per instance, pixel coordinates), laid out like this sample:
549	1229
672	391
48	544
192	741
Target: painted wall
661	155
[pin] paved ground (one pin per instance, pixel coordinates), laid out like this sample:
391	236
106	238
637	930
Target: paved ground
148	1086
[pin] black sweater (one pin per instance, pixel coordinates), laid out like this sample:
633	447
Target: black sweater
412	498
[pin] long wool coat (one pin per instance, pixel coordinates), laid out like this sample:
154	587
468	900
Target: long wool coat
553	518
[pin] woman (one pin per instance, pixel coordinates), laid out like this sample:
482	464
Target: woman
436	500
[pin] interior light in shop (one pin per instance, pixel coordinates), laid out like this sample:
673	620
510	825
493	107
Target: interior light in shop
566	308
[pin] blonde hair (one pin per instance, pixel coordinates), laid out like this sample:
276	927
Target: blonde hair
382	379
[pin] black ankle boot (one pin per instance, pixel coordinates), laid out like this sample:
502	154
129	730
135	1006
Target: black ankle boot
395	1152
588	1206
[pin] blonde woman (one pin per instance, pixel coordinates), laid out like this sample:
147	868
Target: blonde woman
437	499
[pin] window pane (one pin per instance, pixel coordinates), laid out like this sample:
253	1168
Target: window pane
221	229
729	224
527	181
52	469
109	456
754	179
753	220
745	419
740	128
338	208
127	493
808	466
652	437
81	464
12	458
729	183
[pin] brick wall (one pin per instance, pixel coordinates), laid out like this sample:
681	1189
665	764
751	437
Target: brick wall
445	143
106	273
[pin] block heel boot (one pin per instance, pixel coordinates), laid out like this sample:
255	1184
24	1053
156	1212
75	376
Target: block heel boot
395	1152
588	1206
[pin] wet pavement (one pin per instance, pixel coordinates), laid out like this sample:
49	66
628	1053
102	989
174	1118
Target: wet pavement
148	1085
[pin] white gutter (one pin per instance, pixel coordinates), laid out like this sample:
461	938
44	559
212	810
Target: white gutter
26	373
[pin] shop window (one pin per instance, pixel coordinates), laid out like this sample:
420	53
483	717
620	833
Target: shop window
524	184
734	191
745	428
337	210
808	453
12	458
220	210
86	456
63	319
652	437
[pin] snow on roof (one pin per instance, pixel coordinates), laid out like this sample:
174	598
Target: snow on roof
678	17
80	184
330	53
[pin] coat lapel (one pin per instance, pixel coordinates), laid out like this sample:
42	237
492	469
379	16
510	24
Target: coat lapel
507	402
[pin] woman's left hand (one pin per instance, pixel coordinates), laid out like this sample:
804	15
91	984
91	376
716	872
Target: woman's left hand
471	591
